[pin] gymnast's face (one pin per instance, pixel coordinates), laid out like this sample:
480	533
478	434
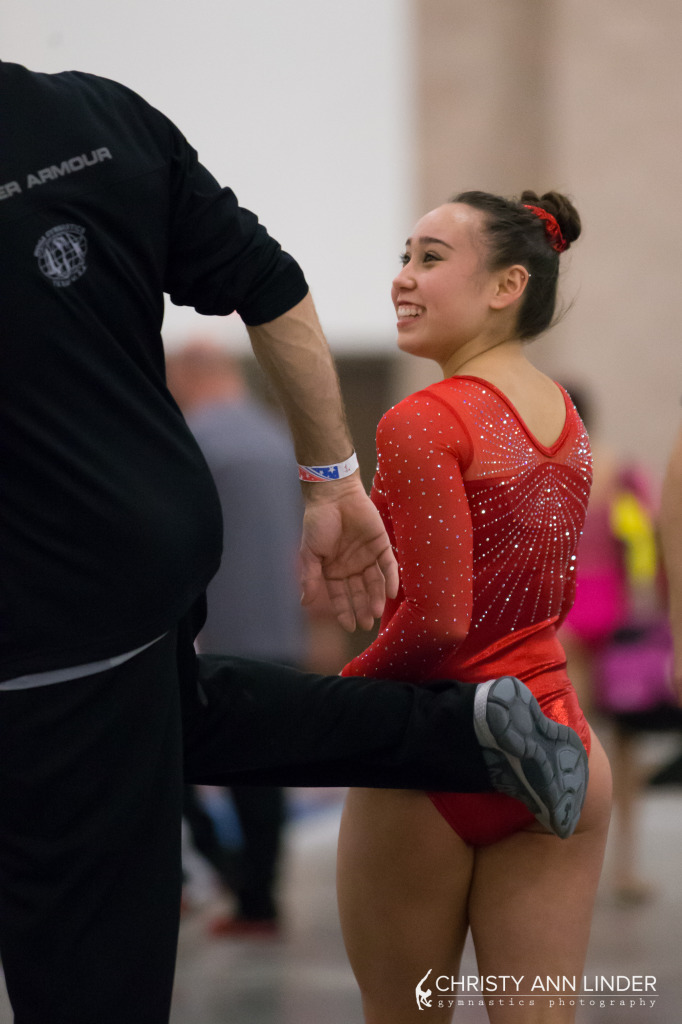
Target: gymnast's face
443	293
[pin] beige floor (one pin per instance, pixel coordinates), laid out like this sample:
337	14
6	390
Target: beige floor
304	979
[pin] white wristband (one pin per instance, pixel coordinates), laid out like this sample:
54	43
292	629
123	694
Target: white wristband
321	474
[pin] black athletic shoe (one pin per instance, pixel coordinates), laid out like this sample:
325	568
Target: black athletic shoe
530	757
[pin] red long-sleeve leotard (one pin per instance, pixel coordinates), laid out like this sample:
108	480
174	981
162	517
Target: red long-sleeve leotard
484	521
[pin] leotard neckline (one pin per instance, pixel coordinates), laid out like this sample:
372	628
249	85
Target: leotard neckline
548	450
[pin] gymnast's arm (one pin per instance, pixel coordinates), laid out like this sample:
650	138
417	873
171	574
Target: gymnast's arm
420	456
671	540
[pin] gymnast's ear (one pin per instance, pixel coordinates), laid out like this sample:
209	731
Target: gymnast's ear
511	284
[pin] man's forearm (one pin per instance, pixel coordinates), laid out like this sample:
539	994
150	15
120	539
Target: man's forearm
294	354
344	544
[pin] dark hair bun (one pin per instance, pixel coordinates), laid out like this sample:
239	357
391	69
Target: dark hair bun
561	207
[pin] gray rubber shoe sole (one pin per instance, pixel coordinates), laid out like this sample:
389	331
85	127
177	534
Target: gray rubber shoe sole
530	757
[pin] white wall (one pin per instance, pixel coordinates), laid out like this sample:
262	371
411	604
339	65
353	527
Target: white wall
301	106
619	110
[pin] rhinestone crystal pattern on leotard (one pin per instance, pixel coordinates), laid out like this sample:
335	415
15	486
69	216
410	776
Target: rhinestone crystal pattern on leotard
484	521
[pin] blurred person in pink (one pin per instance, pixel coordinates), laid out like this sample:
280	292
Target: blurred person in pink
615	636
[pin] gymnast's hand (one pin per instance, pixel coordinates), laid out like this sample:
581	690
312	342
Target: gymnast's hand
345	547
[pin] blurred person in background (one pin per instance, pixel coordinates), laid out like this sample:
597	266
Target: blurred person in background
254	606
616	637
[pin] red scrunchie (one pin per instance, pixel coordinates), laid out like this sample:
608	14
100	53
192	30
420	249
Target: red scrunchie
558	242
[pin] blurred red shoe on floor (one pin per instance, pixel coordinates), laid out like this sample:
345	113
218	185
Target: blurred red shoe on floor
230	927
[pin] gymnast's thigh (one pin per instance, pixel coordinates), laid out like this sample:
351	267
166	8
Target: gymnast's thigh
403	885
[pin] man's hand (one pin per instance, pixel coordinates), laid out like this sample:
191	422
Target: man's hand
345	547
